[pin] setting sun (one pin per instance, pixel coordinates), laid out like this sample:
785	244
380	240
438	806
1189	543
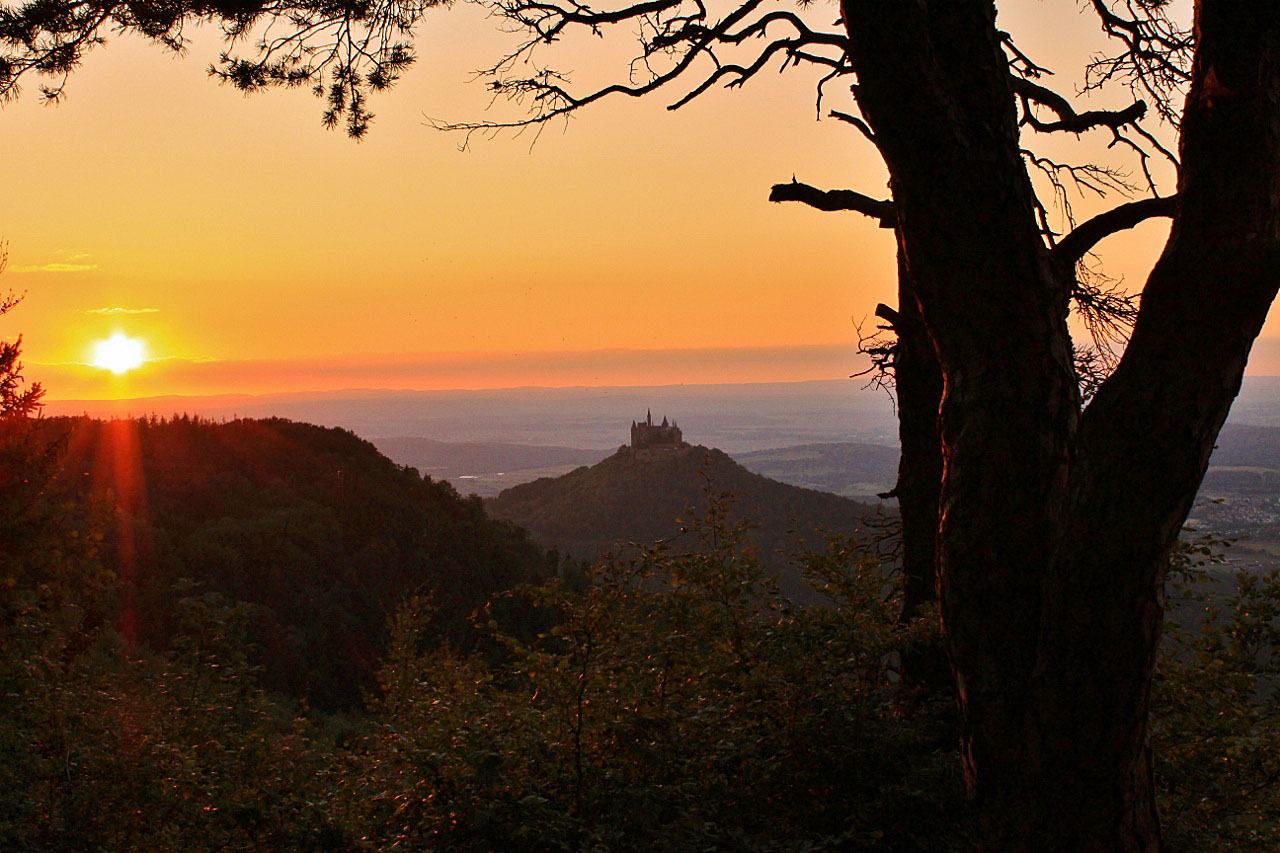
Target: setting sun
118	353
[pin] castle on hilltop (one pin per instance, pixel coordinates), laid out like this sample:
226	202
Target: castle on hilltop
648	434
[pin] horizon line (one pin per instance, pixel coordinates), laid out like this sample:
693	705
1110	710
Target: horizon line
471	390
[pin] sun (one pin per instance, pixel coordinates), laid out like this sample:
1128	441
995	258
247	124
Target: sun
118	353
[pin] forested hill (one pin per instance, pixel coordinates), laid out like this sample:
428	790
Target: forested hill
318	531
643	496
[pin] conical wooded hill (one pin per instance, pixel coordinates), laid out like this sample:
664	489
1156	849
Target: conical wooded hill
643	496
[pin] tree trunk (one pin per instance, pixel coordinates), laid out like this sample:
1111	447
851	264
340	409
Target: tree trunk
934	87
918	382
1145	440
1054	527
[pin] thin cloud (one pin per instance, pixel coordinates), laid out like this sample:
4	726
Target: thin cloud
60	267
116	311
187	359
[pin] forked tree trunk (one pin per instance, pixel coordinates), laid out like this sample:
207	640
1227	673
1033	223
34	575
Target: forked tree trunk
1145	440
1053	526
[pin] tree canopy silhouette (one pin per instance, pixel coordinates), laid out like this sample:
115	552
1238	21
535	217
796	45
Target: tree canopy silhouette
1042	524
341	50
15	400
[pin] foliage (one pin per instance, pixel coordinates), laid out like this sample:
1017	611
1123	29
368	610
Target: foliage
26	463
679	703
314	527
674	700
1216	714
105	746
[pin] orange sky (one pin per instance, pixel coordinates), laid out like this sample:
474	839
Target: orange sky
243	243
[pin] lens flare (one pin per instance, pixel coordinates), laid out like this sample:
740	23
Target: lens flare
118	353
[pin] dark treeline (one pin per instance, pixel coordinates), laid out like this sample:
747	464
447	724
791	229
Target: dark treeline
172	591
316	532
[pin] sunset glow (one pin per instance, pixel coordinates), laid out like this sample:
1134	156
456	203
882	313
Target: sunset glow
118	353
636	228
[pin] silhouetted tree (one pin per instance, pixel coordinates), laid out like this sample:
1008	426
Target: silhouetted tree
25	464
15	401
1043	525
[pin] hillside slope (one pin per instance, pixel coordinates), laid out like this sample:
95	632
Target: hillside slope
645	496
313	527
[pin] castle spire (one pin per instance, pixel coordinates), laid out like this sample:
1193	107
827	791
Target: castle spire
647	434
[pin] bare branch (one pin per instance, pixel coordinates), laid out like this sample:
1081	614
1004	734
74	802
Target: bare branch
1125	124
1108	313
1087	177
674	35
1020	62
831	200
889	315
861	125
881	346
1155	56
1092	370
1068	119
1073	247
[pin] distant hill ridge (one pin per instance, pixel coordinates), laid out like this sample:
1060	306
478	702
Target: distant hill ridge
641	496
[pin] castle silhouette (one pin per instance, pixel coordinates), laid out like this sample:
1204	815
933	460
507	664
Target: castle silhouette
648	434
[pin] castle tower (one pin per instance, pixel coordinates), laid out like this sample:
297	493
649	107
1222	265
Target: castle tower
647	434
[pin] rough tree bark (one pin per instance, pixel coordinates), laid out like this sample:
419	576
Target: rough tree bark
1054	526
